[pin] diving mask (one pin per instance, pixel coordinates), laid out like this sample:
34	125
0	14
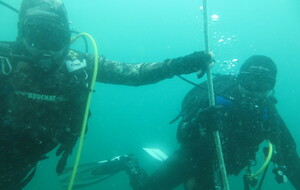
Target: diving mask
256	82
47	42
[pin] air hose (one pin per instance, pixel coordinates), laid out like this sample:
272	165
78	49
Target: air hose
266	163
251	179
87	108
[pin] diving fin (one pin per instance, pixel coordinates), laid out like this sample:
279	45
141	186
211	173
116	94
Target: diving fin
156	153
93	173
86	175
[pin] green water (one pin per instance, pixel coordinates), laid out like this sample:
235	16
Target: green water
125	119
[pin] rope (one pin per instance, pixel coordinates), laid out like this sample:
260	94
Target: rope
211	97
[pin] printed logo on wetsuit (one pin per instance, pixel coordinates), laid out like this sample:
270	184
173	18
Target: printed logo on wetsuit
76	64
40	97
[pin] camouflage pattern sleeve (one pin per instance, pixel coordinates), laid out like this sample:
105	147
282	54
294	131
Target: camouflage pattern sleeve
114	72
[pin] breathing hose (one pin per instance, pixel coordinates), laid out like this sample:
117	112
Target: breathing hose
266	163
211	97
87	108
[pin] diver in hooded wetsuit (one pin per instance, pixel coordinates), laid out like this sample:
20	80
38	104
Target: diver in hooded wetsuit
44	88
245	115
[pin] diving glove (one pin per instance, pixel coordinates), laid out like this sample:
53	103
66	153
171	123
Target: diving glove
195	62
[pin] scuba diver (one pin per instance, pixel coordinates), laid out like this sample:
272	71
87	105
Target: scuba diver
244	114
44	88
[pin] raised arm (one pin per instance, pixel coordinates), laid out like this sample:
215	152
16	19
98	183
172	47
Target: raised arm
146	73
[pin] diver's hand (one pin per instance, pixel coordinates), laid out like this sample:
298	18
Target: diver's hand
197	61
209	65
188	131
211	115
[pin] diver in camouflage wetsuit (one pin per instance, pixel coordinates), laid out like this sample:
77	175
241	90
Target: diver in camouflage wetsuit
44	88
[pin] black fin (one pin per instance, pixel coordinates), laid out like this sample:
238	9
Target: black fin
62	163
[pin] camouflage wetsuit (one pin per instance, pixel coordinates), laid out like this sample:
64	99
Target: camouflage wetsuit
40	111
243	126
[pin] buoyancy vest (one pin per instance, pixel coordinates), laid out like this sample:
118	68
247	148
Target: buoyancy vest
39	111
242	127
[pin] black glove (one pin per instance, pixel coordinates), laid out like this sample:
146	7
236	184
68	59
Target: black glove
211	116
64	151
191	63
187	132
205	120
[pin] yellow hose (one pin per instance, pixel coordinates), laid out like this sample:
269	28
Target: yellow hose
87	108
263	167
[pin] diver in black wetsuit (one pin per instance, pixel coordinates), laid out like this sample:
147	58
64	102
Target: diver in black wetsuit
245	116
44	88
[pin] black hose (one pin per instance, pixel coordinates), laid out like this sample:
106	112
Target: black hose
262	179
10	7
85	41
188	81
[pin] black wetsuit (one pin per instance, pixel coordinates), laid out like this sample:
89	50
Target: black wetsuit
243	125
40	111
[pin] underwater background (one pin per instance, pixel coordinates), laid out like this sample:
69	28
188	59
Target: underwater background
126	119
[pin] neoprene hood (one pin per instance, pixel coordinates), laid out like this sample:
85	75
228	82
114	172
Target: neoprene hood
258	74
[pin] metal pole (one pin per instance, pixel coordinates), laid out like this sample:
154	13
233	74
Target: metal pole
211	97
